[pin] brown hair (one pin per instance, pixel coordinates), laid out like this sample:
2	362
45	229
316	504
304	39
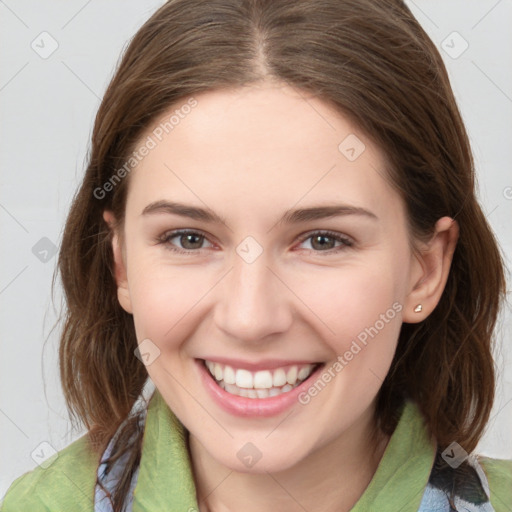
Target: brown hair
371	60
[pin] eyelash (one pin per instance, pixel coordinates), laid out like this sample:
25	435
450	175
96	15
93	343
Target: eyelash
165	240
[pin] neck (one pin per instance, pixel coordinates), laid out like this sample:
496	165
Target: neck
331	478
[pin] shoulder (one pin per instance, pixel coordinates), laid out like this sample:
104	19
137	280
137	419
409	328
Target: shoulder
66	482
499	476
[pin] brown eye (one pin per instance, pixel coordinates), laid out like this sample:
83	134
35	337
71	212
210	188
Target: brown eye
325	242
191	241
186	241
322	242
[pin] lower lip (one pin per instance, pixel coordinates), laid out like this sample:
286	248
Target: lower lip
242	406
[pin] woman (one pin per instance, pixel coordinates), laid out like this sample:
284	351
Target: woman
237	141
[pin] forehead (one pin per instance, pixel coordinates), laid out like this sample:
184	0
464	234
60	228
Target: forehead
259	146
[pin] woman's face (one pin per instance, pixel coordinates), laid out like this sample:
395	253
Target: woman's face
262	295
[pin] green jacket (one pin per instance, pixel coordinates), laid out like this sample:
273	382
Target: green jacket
165	481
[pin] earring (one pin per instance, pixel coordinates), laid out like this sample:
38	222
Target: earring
418	308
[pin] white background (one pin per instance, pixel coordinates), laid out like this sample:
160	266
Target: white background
47	108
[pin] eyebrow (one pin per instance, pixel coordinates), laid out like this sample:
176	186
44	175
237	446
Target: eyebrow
289	217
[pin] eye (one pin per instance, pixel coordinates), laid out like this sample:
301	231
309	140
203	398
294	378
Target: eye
191	241
324	240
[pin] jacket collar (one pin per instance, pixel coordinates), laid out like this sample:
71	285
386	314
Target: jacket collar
165	472
165	478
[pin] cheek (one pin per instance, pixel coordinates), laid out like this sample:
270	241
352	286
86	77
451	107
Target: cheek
163	300
361	318
360	312
349	300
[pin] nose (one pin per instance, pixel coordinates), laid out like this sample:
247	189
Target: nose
253	302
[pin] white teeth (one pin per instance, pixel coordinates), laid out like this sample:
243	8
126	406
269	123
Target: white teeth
262	393
231	388
291	376
218	371
279	378
254	393
304	372
260	384
244	379
229	375
263	380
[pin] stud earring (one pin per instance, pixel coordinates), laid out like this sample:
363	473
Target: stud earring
418	308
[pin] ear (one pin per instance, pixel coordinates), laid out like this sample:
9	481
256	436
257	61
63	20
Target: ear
123	291
430	270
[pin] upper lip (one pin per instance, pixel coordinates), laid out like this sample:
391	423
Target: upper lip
264	364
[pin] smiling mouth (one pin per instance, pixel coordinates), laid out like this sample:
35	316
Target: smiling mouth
260	384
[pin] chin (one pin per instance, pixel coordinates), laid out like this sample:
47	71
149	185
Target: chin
250	459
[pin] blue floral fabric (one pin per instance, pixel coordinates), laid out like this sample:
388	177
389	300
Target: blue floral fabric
463	488
109	477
